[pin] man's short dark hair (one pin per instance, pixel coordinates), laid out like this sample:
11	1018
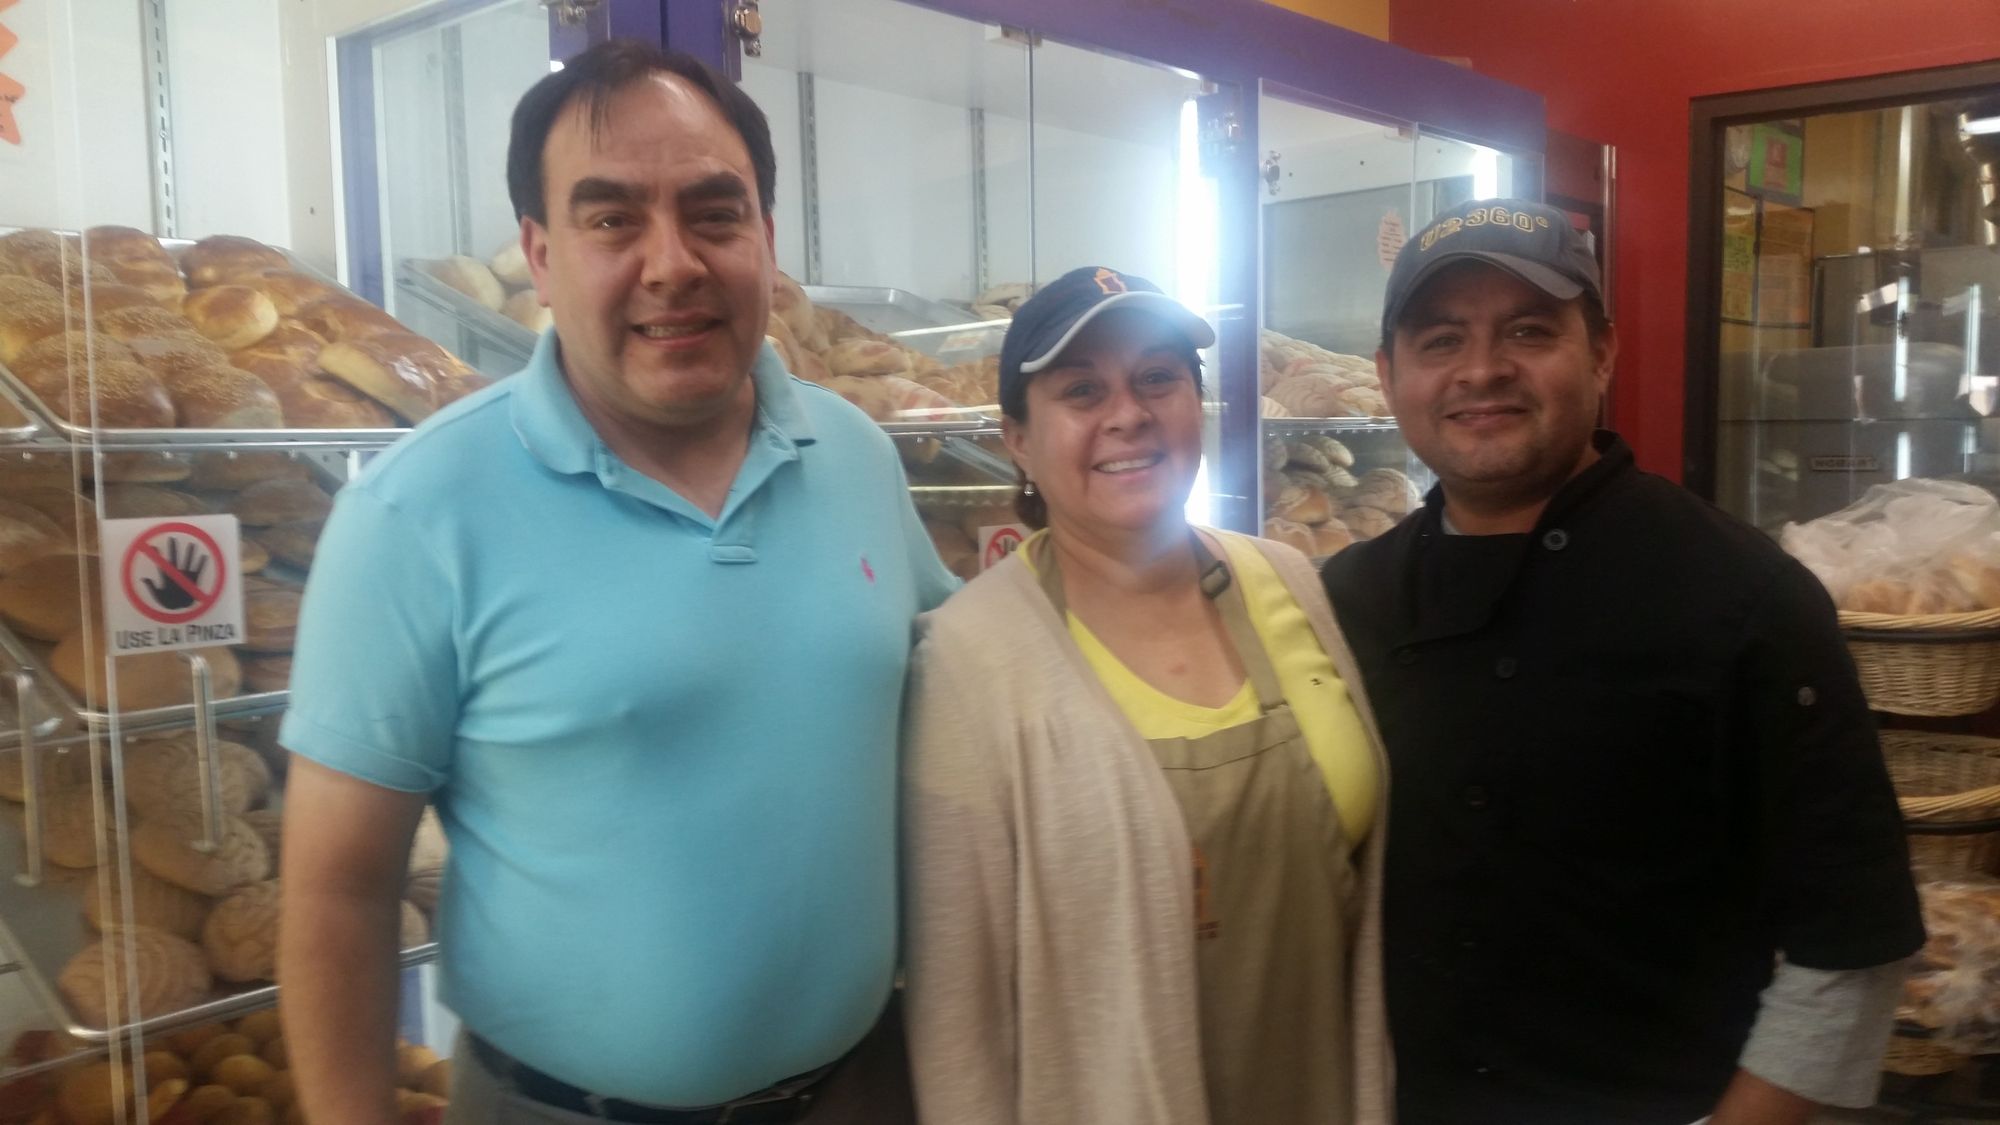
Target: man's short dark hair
594	77
1594	321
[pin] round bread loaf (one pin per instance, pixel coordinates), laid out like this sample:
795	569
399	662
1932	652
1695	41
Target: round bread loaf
92	301
402	372
218	258
290	341
870	394
1311	395
26	322
62	769
145	681
270	502
271	619
139	468
470	277
222	397
423	889
1331	538
526	309
18	288
240	937
342	317
865	357
175	357
117	246
149	501
229	472
143	321
270	827
510	265
75	820
113	394
251	557
267	671
428	849
233	316
790	304
67	355
165	846
170	974
27	535
24	246
1291	534
416	929
1366	522
293	543
163	777
156	904
288	290
44	598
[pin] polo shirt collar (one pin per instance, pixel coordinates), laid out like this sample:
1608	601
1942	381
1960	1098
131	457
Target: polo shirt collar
553	428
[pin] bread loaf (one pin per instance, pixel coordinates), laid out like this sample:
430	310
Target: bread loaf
281	501
470	277
163	777
510	265
139	468
1331	538
233	316
76	826
62	769
343	317
44	599
156	903
312	400
402	372
290	340
288	290
267	671
165	846
870	394
240	937
145	680
96	300
1312	395
790	304
17	289
170	974
1302	505
26	535
124	394
65	355
229	472
251	557
222	397
271	619
136	259
292	543
526	309
217	259
26	322
149	501
143	321
1366	522
865	357
1388	490
269	825
1291	534
428	848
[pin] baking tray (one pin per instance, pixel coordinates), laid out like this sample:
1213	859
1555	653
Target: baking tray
42	927
53	424
1329	425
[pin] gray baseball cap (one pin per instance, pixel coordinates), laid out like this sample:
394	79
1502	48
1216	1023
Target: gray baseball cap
1532	241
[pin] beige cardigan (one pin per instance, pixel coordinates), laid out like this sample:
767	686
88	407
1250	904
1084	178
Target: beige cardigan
1048	936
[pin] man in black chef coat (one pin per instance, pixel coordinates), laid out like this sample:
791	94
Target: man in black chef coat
1645	863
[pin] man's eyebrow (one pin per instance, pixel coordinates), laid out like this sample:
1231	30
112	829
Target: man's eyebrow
721	185
598	189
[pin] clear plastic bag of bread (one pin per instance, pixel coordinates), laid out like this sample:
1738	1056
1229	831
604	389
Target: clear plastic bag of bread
1914	547
1954	984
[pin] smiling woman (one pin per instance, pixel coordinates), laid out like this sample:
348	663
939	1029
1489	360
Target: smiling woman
1189	694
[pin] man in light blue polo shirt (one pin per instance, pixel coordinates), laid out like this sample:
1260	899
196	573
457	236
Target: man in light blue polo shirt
636	620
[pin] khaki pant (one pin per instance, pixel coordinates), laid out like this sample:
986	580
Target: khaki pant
871	1088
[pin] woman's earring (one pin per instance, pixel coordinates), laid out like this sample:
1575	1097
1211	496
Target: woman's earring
1027	488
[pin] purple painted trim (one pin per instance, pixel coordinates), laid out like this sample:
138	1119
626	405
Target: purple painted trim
635	19
701	28
354	59
1245	41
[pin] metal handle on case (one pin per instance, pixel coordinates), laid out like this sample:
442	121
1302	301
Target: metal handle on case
30	874
204	754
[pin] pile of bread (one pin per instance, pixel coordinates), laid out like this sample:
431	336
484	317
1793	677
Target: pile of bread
1302	380
1002	301
954	531
229	335
1313	500
890	381
196	918
502	284
51	577
1961	583
224	1073
1954	984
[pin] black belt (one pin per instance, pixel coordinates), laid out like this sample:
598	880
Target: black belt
787	1102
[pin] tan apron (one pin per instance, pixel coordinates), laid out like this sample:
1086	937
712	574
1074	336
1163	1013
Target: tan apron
1272	887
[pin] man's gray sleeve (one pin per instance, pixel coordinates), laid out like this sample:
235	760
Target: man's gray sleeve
1821	1034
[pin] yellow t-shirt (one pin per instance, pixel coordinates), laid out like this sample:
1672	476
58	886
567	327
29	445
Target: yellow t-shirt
1332	728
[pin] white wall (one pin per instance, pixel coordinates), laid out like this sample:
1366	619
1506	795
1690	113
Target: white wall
228	82
83	159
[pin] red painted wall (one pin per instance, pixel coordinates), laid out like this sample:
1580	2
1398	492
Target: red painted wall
1622	72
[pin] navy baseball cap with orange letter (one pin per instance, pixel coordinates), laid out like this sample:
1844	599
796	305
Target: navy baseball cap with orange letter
1532	241
1046	324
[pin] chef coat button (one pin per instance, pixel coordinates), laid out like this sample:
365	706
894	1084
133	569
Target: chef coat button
1555	539
1467	941
1807	697
1406	655
1505	667
1476	797
1483	1071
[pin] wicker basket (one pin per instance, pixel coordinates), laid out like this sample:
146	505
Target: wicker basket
1948	664
1914	1054
1948	786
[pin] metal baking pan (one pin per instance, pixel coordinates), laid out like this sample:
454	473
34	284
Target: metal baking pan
54	424
1329	425
513	340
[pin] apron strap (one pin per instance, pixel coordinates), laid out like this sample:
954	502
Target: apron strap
1228	601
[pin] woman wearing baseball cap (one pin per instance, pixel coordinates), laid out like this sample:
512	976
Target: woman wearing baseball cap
1142	792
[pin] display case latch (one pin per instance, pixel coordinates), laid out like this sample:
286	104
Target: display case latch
748	23
1274	170
572	13
1221	129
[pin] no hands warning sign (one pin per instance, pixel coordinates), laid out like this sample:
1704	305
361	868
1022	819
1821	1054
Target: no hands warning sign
998	541
177	585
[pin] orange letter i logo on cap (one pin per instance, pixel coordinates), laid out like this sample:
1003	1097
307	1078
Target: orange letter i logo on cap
1108	281
10	90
